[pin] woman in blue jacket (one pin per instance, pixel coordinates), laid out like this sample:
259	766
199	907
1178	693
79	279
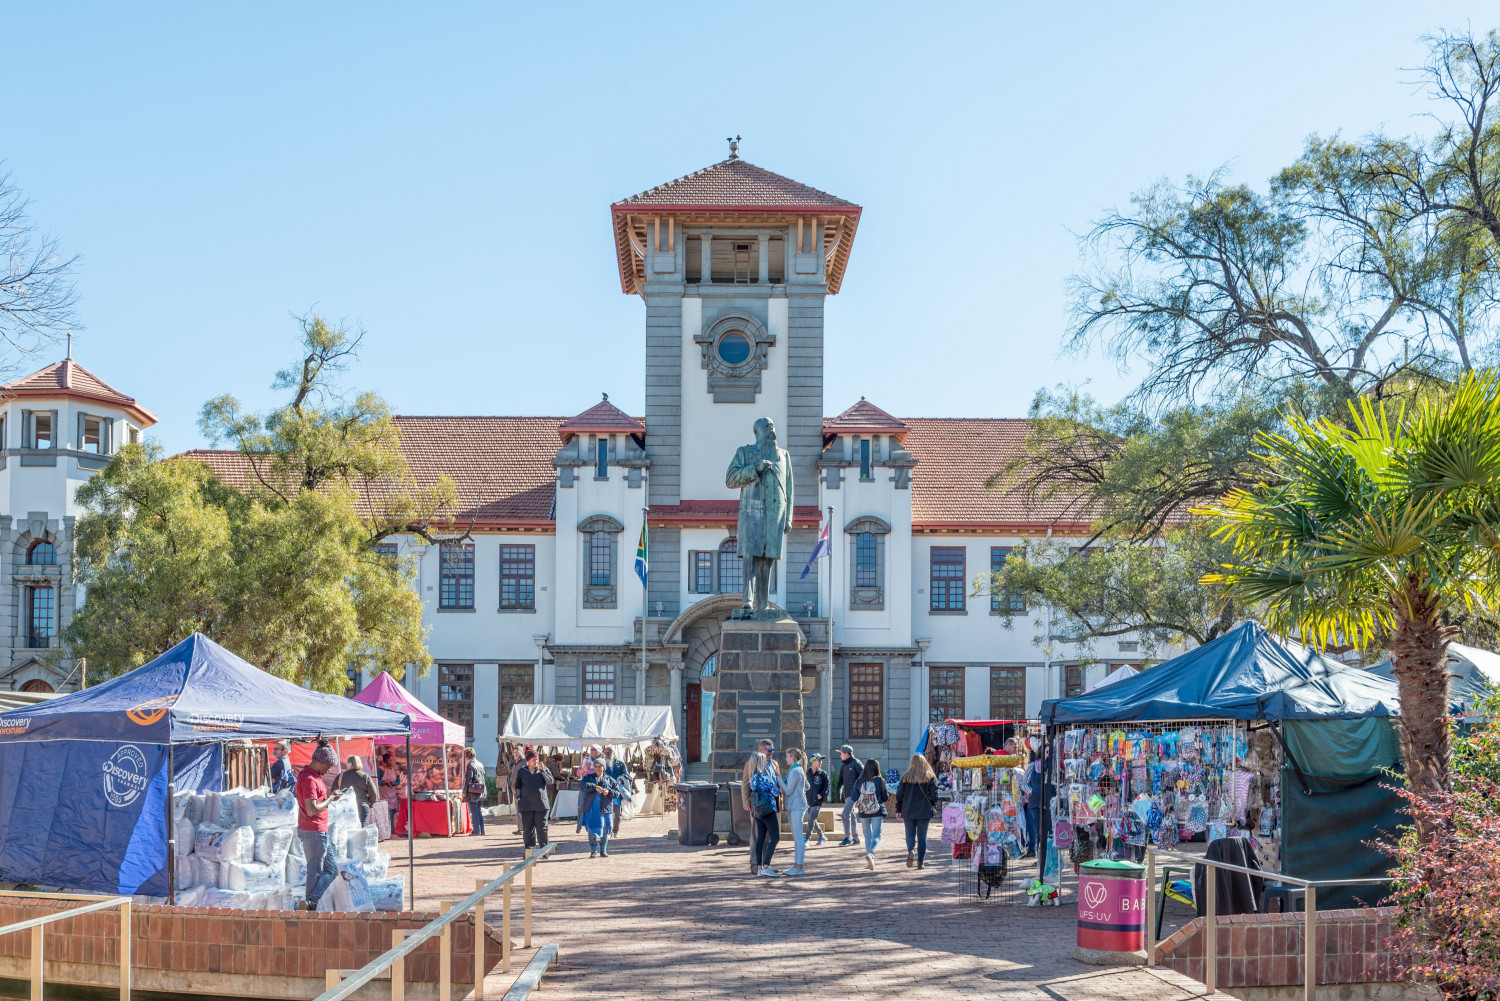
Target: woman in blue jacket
596	809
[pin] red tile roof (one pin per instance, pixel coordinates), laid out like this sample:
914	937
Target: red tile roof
602	418
955	455
502	469
736	184
69	380
747	195
501	466
864	418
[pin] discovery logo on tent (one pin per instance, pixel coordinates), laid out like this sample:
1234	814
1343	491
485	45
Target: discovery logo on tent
124	775
149	712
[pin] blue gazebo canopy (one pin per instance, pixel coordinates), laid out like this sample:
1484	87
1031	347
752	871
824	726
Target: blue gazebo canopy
197	692
1246	674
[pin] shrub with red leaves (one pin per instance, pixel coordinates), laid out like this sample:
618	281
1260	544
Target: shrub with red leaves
1449	889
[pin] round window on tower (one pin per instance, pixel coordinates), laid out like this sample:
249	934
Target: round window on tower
734	348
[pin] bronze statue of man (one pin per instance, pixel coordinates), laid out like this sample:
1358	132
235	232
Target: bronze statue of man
763	474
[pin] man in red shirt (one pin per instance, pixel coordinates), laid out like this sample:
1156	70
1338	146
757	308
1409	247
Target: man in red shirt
313	800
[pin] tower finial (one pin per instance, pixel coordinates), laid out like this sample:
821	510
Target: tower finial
70	345
734	148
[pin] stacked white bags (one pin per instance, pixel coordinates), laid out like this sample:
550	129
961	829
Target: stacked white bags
240	849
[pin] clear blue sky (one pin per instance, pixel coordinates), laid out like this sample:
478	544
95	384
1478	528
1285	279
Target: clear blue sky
441	174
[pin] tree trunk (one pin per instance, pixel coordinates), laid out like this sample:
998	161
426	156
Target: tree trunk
1419	655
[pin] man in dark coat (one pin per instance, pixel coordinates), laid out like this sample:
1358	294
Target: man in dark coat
532	784
849	770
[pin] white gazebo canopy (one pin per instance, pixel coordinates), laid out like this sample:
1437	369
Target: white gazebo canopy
576	727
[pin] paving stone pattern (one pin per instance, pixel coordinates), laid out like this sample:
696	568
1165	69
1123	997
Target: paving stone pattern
657	920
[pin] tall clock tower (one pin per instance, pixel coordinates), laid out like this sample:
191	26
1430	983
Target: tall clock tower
734	263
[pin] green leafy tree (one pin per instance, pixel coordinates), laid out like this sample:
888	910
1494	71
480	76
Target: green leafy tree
1378	532
280	565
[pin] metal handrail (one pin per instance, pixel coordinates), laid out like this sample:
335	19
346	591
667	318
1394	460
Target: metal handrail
1211	915
101	903
394	957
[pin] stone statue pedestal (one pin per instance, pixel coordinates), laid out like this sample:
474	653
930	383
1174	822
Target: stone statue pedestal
757	692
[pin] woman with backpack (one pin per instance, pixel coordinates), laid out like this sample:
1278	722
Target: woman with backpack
869	803
916	802
765	795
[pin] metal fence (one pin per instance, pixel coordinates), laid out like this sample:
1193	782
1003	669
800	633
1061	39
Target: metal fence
1211	914
37	927
392	963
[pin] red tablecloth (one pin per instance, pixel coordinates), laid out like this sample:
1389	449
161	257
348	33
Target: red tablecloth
432	817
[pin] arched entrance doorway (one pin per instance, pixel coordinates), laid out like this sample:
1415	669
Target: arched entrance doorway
38	686
698	717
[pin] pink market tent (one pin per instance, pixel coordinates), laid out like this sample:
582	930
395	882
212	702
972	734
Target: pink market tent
427	727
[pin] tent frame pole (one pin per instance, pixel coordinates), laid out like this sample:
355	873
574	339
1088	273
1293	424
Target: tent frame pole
411	864
171	829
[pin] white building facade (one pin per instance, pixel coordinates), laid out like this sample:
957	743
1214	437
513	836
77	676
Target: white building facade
538	600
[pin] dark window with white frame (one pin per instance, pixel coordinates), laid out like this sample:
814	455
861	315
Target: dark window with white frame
598	683
866	471
700	572
456	694
387	550
867	538
1007	693
601	458
42	554
946	584
866	571
1002	600
945	694
456	575
866	701
601	559
1073	681
731	569
518	577
517	687
41	616
600	550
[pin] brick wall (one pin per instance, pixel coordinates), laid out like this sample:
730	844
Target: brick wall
1265	950
213	941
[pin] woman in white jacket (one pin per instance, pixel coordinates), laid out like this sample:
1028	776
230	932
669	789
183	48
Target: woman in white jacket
795	783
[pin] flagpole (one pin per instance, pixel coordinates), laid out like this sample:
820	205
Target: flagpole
640	692
826	702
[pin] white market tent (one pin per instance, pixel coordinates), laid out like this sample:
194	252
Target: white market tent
577	727
1121	673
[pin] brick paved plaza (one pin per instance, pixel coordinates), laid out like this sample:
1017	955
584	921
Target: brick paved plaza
658	921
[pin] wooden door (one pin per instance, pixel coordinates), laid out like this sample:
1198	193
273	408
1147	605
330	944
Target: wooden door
693	722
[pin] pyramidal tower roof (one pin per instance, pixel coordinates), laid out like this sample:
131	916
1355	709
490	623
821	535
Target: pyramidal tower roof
732	191
69	380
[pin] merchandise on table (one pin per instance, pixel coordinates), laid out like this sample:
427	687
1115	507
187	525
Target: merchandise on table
1120	788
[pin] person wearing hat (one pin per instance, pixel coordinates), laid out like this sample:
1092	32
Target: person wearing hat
850	768
313	799
362	784
817	795
532	783
619	777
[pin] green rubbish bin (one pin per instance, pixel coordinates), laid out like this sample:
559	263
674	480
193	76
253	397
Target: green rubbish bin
695	812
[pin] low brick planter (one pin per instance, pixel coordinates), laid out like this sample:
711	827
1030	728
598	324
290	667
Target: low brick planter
1265	950
211	950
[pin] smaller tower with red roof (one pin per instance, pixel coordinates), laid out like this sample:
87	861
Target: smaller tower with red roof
59	426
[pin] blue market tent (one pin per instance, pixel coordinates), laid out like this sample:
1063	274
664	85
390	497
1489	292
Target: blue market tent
1335	721
84	778
1246	674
